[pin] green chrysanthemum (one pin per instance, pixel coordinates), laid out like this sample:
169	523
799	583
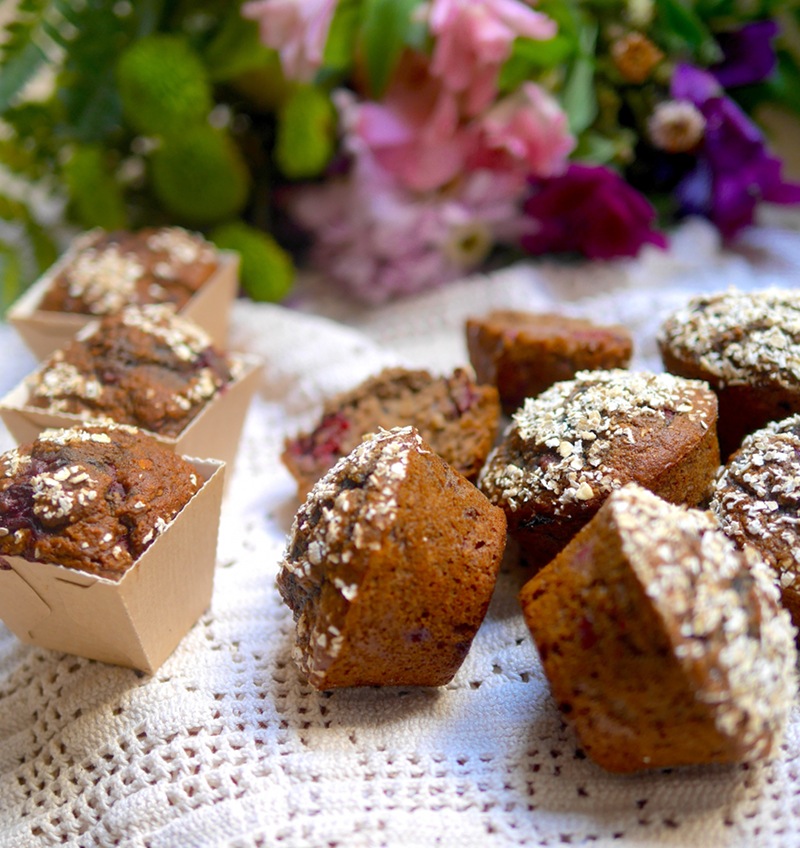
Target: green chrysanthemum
267	271
163	86
201	176
95	197
306	133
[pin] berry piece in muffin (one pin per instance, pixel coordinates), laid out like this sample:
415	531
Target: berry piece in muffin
455	415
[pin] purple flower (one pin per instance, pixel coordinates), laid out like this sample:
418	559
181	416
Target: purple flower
589	210
749	56
734	170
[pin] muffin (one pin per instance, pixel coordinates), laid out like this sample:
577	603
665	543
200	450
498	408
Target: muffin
143	366
111	270
92	499
757	501
663	642
745	345
455	415
389	567
566	450
523	353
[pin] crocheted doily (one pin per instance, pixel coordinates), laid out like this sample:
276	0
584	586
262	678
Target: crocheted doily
226	745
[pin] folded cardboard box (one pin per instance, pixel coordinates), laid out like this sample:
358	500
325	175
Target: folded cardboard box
44	331
136	621
213	432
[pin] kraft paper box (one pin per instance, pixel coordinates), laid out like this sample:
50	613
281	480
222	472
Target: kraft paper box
213	432
44	331
136	621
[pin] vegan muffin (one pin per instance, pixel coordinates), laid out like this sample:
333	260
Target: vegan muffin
390	566
111	270
746	345
91	498
663	642
523	353
757	501
566	450
144	366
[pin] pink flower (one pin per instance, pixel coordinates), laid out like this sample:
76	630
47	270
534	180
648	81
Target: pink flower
527	132
377	241
414	133
590	210
472	40
297	29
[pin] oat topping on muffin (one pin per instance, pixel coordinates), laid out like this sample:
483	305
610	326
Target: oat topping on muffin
110	270
757	497
737	336
572	428
144	366
722	607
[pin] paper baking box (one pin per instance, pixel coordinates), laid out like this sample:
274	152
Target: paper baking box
214	431
136	621
45	331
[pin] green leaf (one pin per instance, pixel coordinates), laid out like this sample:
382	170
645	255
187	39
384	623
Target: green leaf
384	32
342	36
267	271
17	71
235	49
578	97
595	148
15	276
529	58
10	275
683	30
306	133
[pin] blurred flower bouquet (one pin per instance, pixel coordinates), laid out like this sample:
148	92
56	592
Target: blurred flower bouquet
393	144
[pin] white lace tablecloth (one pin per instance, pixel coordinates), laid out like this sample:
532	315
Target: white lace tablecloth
227	746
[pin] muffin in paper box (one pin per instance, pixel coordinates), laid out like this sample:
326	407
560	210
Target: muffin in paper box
146	367
107	543
102	272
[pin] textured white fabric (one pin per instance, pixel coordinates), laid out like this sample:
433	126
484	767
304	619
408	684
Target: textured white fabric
227	746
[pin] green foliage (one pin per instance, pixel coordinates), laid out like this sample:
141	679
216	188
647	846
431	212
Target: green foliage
21	55
306	133
22	256
683	31
342	37
163	86
578	97
386	29
235	48
267	271
200	176
95	195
